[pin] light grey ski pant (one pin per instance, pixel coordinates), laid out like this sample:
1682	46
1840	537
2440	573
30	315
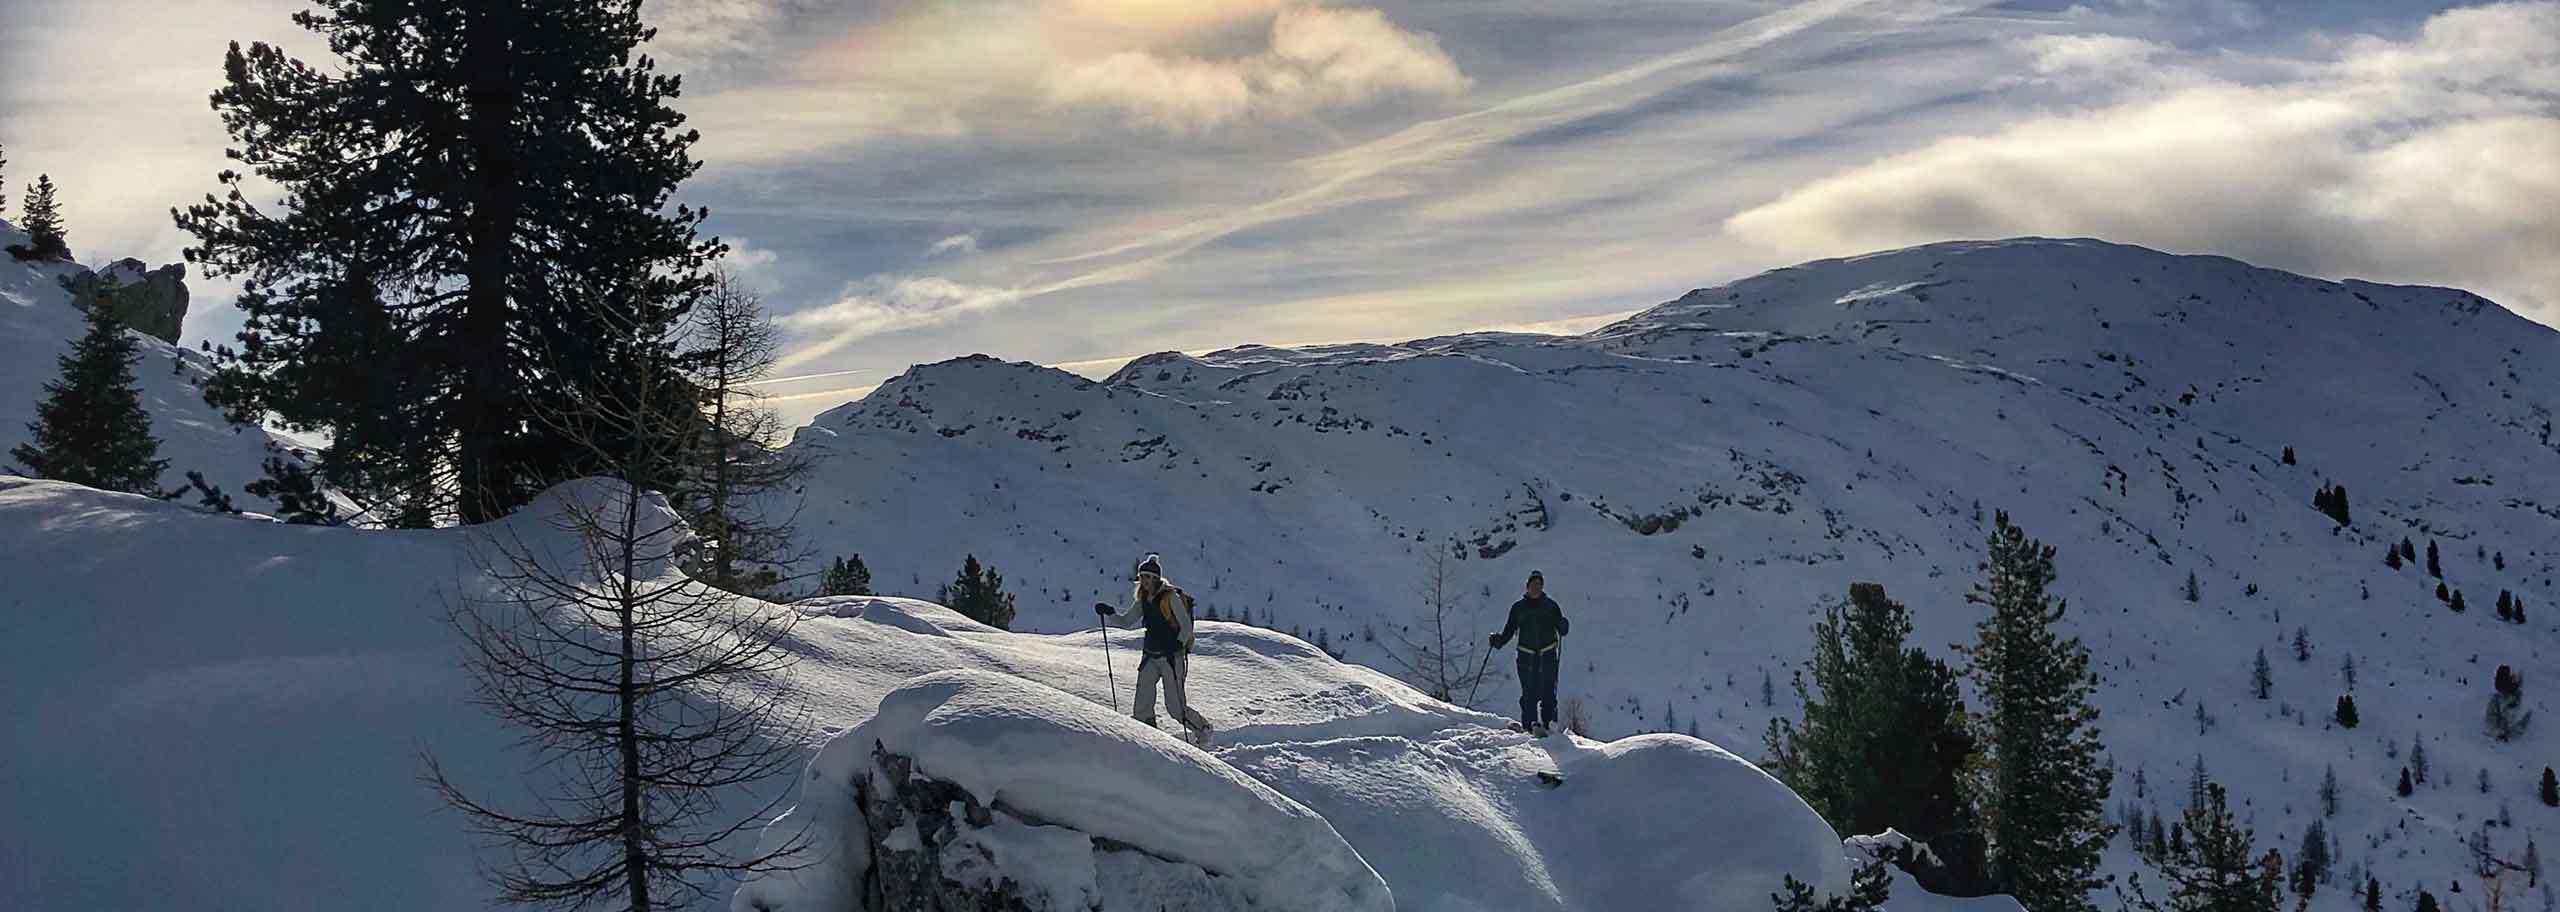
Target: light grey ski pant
1175	671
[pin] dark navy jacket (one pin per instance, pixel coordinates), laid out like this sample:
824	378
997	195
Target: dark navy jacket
1540	623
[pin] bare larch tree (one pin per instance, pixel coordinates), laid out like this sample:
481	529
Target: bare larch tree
646	697
1438	650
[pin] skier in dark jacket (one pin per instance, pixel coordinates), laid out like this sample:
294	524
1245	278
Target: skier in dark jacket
1541	626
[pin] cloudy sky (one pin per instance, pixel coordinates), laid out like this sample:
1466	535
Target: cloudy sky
1079	181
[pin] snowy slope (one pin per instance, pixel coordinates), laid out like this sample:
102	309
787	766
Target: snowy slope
1696	481
219	712
38	323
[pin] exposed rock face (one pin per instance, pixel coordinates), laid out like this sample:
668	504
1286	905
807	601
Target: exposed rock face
935	848
152	301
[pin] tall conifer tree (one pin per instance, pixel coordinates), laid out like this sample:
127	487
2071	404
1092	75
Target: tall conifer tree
474	210
2045	808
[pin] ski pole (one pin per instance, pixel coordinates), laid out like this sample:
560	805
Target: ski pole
1478	681
1105	627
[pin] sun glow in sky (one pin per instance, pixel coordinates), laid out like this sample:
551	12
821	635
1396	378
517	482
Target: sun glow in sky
1077	182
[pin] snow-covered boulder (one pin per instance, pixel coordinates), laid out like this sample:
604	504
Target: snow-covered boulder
970	785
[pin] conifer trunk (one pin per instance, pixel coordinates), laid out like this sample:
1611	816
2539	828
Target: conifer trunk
481	461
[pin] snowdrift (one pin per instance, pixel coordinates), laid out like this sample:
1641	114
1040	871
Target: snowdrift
214	711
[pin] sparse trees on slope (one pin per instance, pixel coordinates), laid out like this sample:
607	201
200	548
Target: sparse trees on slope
1884	740
2045	807
1439	651
2332	500
978	593
847	576
41	219
91	428
475	208
639	689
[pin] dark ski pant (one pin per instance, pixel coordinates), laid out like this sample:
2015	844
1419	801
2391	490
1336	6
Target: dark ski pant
1538	685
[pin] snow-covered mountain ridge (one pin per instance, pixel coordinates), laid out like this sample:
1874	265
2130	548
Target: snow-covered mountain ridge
1698	479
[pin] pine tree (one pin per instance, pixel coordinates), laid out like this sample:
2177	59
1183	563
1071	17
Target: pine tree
2045	807
1869	887
2329	792
4	179
2506	604
2262	682
2302	644
42	218
2434	568
2288	456
2332	501
2346	714
847	576
2372	894
2311	862
2418	759
2347	670
299	499
2391	558
2218	870
2507	717
2550	788
2191	592
2458	605
2408	551
2427	902
978	593
2444	593
2404	787
476	220
1883	741
91	428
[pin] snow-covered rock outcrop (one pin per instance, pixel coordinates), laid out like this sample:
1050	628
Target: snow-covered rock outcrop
1055	786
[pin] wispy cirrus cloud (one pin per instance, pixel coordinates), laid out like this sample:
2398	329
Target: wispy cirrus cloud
1318	58
955	245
